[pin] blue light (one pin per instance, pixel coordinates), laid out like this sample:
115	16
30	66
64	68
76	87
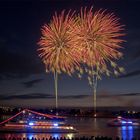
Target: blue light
30	136
55	124
130	128
130	132
123	128
129	122
31	123
124	132
127	132
56	135
123	122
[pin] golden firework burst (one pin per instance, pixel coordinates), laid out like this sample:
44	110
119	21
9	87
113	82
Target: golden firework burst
99	37
58	44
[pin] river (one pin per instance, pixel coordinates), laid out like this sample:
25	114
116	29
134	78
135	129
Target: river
86	127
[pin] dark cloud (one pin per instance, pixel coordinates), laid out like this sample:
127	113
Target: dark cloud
129	94
49	96
32	82
74	97
39	96
26	96
130	74
118	95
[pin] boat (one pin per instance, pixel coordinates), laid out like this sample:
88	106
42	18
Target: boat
37	127
120	121
31	121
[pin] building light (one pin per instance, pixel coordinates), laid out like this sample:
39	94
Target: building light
55	124
123	122
31	124
71	127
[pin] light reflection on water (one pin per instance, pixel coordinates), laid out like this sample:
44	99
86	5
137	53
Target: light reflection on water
86	127
127	132
36	135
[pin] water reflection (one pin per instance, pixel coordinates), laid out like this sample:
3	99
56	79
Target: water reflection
70	136
86	127
36	135
30	136
127	132
124	134
56	135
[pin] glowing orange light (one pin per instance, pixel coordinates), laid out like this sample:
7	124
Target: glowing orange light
98	35
58	44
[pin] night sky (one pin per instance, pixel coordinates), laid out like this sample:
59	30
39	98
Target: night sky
23	81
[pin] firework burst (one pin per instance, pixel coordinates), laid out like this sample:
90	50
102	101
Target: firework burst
90	38
98	35
58	46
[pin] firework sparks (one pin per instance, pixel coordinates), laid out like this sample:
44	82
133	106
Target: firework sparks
58	46
90	38
98	35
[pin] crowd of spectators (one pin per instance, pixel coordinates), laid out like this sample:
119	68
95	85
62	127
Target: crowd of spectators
64	138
